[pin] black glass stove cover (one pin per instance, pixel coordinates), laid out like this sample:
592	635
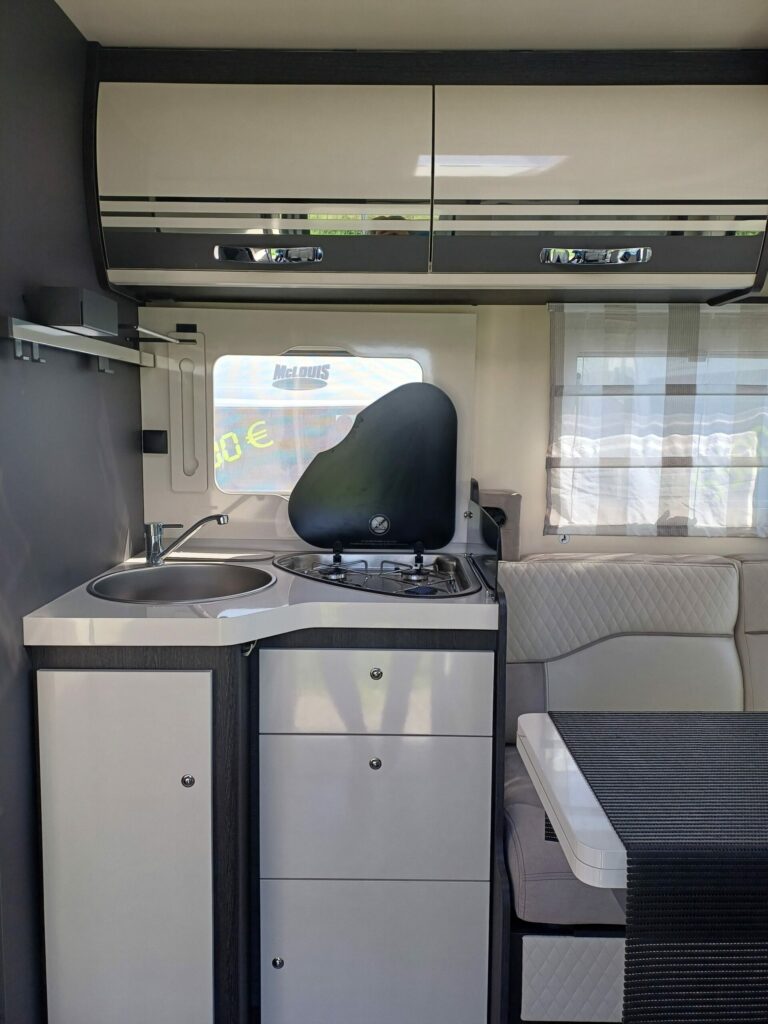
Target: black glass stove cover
391	483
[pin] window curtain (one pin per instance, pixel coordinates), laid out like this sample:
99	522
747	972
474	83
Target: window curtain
659	420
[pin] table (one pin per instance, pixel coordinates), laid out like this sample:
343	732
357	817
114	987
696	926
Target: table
687	792
591	846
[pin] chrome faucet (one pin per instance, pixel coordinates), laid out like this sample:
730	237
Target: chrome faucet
153	537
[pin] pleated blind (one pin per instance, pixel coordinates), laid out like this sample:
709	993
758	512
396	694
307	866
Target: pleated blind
659	420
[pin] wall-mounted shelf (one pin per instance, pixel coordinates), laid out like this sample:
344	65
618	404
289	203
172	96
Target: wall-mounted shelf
20	331
155	336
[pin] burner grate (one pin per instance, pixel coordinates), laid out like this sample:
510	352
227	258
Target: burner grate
430	576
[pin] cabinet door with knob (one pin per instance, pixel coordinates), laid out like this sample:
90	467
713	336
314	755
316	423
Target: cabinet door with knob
375	806
348	952
125	788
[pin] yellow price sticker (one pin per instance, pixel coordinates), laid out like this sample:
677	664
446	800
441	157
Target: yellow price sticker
229	449
258	438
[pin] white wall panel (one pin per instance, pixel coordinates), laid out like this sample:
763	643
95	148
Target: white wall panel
442	343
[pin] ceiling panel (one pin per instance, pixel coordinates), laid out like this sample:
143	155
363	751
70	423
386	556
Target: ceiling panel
425	24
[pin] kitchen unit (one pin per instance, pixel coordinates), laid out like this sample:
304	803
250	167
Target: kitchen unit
319	832
320	838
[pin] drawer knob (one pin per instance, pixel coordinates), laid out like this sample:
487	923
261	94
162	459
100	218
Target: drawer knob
375	763
278	963
376	673
187	781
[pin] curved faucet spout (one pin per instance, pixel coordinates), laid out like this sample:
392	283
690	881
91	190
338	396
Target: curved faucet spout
153	535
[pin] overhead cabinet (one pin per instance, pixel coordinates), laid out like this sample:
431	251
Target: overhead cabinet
337	175
678	171
656	191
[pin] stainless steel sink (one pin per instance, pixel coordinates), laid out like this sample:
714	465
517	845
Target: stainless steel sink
181	583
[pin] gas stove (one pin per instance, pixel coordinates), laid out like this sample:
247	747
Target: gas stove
393	573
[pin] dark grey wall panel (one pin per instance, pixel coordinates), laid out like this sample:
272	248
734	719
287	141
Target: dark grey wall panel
70	469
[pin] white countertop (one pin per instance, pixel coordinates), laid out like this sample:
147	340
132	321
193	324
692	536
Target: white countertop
291	603
592	848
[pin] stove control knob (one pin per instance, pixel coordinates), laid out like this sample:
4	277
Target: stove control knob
278	963
376	673
375	763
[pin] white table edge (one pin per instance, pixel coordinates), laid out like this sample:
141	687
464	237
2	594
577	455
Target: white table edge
596	856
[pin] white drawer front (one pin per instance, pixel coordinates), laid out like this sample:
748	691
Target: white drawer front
326	813
374	952
446	693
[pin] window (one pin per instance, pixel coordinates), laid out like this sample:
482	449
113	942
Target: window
273	414
659	421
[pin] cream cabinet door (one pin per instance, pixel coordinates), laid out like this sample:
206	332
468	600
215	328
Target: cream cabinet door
127	846
675	170
339	173
356	952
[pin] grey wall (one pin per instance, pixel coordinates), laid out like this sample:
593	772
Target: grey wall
70	472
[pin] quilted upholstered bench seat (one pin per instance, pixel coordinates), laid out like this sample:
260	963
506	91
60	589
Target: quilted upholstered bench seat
604	633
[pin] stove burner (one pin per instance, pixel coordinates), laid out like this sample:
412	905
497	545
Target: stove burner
415	574
334	573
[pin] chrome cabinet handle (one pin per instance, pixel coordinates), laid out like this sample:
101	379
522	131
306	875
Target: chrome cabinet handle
275	256
278	963
597	257
376	673
375	763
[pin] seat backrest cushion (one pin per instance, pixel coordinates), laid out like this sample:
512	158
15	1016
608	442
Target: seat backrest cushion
752	632
621	633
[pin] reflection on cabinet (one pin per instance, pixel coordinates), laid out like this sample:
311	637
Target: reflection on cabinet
374	831
348	952
125	786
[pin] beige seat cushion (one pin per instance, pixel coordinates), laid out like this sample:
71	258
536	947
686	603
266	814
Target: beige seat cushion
545	889
752	633
621	633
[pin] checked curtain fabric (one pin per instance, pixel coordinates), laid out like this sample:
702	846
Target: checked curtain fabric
659	420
